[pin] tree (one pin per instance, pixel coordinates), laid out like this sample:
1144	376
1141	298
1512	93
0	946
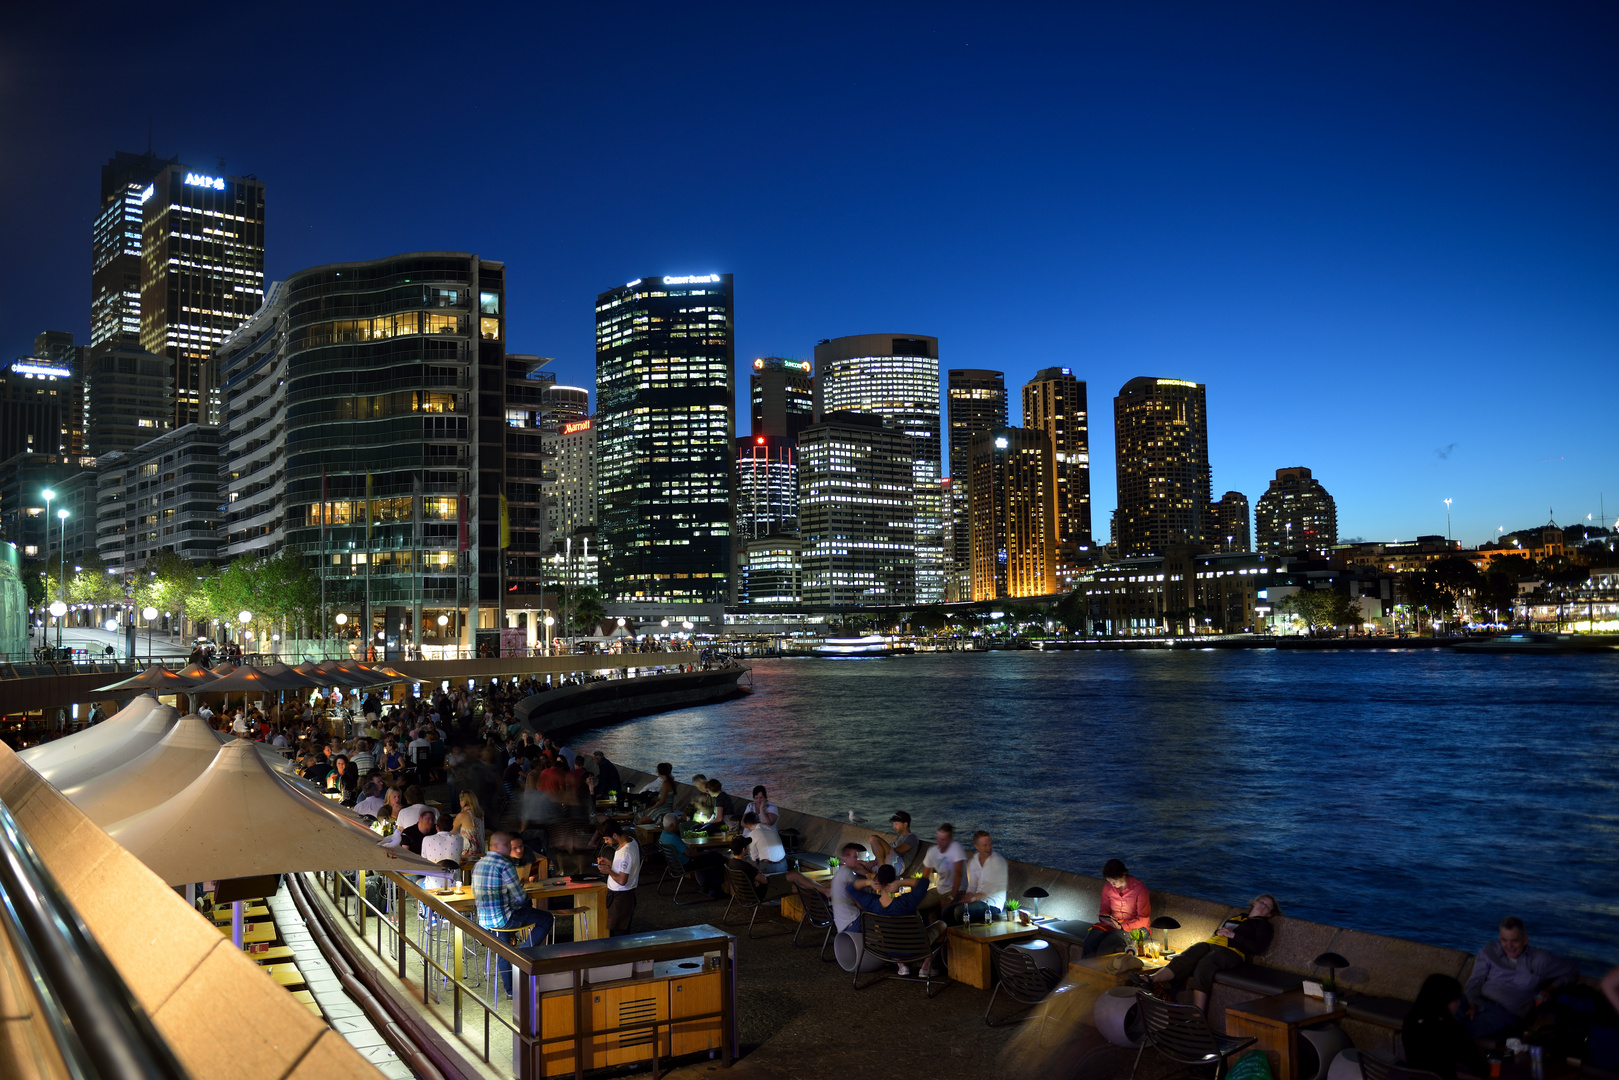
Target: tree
92	584
1320	608
586	611
1425	593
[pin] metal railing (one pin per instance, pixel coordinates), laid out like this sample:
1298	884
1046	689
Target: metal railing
100	1030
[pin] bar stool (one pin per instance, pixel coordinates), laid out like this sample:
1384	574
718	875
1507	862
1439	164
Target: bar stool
520	938
580	917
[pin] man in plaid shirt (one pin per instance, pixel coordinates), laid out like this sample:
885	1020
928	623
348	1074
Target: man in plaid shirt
502	903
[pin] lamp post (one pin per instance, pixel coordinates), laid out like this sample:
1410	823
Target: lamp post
61	569
48	495
59	610
244	617
550	621
149	614
1447	519
443	621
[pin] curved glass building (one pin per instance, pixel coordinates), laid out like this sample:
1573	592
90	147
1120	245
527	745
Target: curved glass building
364	414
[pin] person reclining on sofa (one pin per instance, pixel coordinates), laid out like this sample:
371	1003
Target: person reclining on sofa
1511	979
1243	936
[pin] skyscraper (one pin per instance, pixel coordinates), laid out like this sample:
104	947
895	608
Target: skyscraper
856	508
115	247
766	486
975	402
1296	514
895	378
373	441
1228	525
1055	402
665	422
1162	448
202	275
782	396
1014	514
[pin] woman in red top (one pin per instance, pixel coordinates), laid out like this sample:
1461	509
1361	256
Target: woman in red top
1125	906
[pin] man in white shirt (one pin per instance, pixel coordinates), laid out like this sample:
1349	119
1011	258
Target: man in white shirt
205	712
238	726
623	875
947	862
986	874
443	846
765	849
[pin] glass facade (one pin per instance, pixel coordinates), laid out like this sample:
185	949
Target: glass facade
857	513
380	457
1162	440
1296	514
782	395
665	405
896	378
1014	514
975	402
772	571
766	486
202	276
115	247
1055	403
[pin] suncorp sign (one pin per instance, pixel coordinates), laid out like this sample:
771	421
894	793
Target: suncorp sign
199	180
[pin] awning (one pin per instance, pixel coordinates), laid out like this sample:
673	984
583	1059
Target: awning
128	733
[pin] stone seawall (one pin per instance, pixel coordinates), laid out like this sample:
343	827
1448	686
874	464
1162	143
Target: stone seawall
570	708
1380	966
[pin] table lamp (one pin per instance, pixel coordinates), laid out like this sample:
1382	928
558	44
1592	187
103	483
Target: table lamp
1166	924
1332	962
1035	893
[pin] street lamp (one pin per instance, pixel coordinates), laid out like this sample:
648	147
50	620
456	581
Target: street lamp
61	570
49	495
550	621
58	609
244	617
1447	519
149	614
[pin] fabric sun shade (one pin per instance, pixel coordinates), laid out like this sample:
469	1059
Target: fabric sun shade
128	733
157	677
237	819
148	779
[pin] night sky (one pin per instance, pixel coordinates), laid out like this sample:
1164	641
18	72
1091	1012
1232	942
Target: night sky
1385	235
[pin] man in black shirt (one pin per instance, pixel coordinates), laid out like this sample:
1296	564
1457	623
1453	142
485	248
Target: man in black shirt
412	836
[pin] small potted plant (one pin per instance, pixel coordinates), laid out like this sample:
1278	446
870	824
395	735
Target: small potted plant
1329	990
1137	937
1012	911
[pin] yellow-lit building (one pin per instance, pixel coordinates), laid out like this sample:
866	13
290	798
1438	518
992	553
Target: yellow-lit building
1012	504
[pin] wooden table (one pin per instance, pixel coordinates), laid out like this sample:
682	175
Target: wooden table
590	895
277	954
252	933
286	974
1275	1022
791	906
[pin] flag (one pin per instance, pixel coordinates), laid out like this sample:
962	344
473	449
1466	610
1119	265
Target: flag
505	526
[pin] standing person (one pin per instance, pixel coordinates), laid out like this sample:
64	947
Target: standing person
898	851
1434	1035
623	872
1511	979
1243	936
1125	906
947	863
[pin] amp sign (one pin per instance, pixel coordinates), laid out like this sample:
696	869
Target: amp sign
199	180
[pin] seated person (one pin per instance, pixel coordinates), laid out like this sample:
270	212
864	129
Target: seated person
1434	1035
763	807
706	865
373	800
986	877
701	807
663	801
411	836
881	895
501	902
898	851
526	866
767	850
948	865
1511	979
1125	906
724	809
1243	936
851	865
770	886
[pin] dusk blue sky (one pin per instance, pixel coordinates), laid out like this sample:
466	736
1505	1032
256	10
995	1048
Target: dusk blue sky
1385	235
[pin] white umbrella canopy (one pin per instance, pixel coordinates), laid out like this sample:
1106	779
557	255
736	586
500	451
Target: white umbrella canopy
150	778
238	819
131	731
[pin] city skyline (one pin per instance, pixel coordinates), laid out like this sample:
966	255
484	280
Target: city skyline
1365	272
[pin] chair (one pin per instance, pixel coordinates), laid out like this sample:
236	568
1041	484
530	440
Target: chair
672	868
1024	981
743	889
900	939
581	917
1377	1067
791	839
1182	1034
817	913
521	937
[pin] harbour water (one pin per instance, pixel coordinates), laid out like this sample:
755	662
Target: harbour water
1421	794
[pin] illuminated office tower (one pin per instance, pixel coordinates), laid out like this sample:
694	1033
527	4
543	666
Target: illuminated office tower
202	276
665	404
1014	515
1054	402
1296	514
896	378
782	396
570	451
856	512
115	248
1162	451
975	402
365	423
766	486
1228	523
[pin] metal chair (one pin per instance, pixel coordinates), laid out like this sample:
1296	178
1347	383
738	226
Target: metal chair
1182	1034
1375	1066
672	868
900	939
1024	981
742	889
817	913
